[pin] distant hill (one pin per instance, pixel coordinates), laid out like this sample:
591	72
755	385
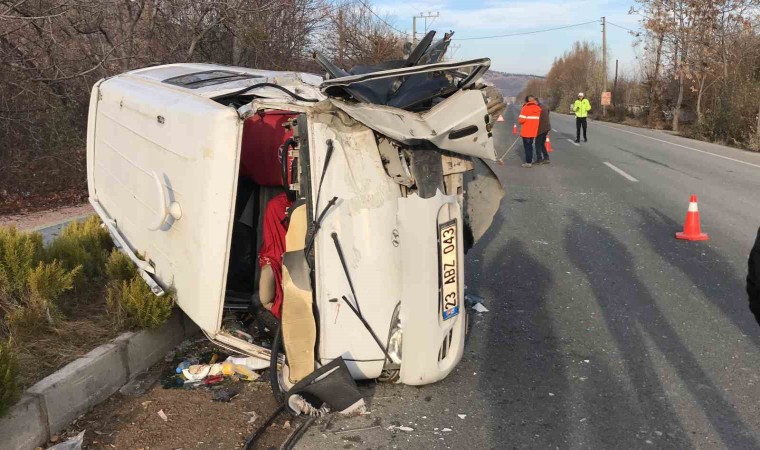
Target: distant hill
510	84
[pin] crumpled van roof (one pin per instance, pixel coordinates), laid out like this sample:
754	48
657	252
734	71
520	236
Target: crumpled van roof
214	80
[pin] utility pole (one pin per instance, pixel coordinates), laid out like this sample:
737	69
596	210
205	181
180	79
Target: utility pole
414	31
422	15
614	85
604	60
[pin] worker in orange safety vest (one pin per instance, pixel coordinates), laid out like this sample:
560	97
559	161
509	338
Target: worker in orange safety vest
528	119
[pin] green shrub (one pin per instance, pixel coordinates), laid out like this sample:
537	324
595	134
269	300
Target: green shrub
119	267
46	285
84	244
132	304
9	391
20	253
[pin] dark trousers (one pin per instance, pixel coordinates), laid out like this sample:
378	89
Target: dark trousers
753	279
528	144
580	122
541	153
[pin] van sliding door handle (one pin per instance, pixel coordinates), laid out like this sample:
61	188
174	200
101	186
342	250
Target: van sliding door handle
165	210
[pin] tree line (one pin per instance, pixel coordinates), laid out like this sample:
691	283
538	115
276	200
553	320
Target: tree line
53	51
698	73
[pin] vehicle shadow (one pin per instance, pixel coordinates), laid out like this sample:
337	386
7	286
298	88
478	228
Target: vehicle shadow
637	324
519	362
707	269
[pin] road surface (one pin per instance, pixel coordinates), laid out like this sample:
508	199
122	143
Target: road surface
603	330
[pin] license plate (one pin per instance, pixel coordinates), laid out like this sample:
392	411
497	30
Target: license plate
449	270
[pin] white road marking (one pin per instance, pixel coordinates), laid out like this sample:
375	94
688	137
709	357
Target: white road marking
679	145
555	130
573	142
619	171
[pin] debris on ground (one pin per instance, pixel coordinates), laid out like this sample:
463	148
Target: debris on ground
162	415
226	395
400	428
74	443
472	299
193	418
478	307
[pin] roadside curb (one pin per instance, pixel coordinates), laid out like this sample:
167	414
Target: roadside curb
54	402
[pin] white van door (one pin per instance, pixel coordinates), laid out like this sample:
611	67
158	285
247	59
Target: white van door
162	173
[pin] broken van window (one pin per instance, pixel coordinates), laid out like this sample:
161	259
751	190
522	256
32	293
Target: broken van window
200	79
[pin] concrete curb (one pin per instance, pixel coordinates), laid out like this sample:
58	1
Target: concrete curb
53	403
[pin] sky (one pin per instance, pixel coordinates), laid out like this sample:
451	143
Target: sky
532	53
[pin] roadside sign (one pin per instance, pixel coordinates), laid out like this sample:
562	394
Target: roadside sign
606	98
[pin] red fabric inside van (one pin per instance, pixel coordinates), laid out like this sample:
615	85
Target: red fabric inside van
263	136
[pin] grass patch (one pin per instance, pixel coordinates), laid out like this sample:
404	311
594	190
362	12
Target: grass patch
119	267
9	390
84	244
59	302
20	253
133	304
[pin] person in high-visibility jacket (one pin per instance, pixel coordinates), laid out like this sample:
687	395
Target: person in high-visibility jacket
581	107
529	117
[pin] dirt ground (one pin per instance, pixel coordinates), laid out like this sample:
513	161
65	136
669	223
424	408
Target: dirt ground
42	351
37	219
193	419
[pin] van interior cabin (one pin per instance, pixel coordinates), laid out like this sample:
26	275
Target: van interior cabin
267	169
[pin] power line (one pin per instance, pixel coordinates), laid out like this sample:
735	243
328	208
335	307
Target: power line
380	18
624	28
526	32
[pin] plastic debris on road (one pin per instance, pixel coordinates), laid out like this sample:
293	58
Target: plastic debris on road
250	362
74	443
214	368
162	415
400	428
472	299
478	307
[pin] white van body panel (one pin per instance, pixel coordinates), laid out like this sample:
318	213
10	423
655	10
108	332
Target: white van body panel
143	129
163	164
365	220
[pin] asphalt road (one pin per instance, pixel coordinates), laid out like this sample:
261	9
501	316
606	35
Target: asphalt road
603	331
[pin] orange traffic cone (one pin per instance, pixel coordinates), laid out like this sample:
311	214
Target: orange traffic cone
514	129
692	231
548	144
500	119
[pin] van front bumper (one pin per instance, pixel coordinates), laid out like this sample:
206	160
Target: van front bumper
432	345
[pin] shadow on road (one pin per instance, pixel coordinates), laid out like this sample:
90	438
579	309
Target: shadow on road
708	270
522	363
635	322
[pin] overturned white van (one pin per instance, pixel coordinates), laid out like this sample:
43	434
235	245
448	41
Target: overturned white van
365	188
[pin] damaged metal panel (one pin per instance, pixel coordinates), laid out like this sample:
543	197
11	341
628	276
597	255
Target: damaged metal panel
483	193
364	219
395	163
428	172
457	124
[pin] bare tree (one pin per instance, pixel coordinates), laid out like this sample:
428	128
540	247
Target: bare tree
53	51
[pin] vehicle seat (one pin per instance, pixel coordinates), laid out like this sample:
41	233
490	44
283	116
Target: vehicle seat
263	137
